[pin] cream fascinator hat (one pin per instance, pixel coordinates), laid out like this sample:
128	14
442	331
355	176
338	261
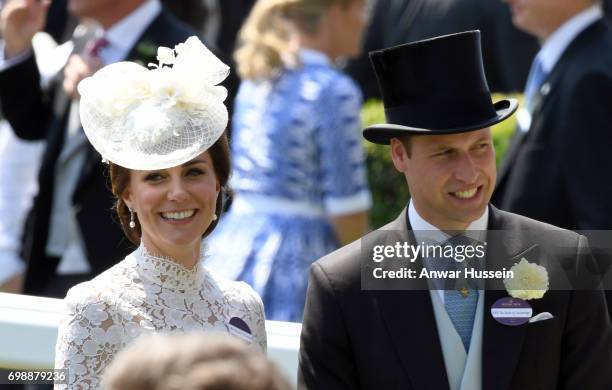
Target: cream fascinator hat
156	118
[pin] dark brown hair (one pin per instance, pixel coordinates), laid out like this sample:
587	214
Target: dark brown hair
120	180
405	140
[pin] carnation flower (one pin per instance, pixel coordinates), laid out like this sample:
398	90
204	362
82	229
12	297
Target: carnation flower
529	281
165	56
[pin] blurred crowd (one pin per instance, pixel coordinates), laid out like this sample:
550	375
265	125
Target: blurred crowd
299	75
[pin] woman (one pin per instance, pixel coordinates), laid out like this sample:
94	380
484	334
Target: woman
299	177
162	130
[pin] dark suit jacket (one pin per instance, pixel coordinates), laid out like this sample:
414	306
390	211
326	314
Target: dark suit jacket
507	52
36	115
355	339
551	172
557	171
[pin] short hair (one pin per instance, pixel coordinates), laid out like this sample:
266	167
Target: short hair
405	140
196	361
120	179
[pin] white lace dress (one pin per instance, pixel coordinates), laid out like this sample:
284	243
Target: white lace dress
144	294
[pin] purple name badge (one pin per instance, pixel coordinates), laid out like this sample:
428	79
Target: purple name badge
511	311
240	329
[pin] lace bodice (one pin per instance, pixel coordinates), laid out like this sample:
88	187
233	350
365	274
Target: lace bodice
144	293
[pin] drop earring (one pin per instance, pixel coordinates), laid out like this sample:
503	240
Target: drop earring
214	217
132	222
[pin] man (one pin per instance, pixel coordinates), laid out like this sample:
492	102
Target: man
439	110
71	234
565	130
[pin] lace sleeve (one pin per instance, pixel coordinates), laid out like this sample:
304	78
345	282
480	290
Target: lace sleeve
89	336
259	334
255	312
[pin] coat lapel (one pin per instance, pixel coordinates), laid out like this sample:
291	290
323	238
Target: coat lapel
409	318
502	345
410	321
540	99
155	35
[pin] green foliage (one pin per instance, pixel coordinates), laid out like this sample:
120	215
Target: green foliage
502	132
389	189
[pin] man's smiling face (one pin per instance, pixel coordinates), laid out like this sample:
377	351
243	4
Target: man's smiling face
451	177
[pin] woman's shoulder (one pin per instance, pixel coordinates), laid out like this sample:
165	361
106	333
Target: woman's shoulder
329	77
330	87
88	300
234	291
101	288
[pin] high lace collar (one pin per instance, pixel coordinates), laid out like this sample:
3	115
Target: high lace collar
166	272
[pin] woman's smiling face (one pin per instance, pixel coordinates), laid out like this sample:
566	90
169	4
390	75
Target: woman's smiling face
174	206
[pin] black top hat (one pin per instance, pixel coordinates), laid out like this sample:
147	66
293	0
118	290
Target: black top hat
435	86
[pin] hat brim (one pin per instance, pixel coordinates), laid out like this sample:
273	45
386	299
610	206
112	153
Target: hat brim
382	133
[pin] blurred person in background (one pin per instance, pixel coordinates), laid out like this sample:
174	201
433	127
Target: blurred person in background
18	165
217	22
192	362
19	161
565	128
60	23
507	52
19	158
70	234
299	180
163	132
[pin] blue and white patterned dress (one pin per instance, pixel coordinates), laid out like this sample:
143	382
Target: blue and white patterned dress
298	160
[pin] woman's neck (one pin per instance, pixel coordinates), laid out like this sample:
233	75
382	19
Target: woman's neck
185	255
319	43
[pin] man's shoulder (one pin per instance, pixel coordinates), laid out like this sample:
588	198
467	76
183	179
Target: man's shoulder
511	222
600	33
343	265
591	48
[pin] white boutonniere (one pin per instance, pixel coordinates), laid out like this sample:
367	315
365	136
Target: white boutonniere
529	281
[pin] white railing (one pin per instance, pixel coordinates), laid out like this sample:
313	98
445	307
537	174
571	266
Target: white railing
28	330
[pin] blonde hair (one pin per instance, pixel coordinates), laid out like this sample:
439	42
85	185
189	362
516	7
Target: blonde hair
265	39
